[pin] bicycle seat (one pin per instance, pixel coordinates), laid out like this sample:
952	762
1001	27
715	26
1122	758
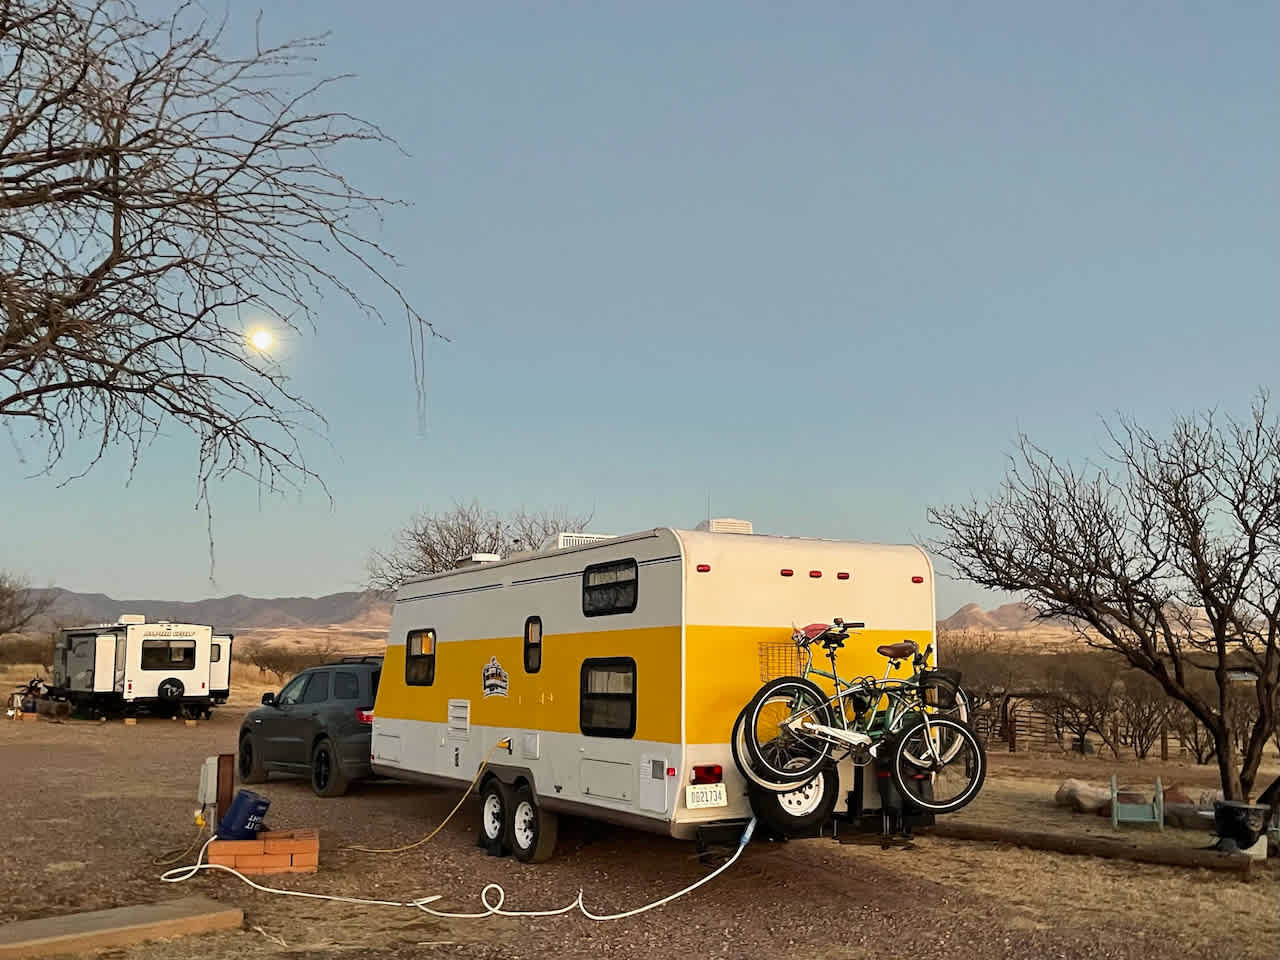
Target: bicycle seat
898	651
832	641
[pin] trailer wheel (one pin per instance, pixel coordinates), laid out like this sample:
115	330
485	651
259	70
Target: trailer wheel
798	811
533	829
249	761
327	778
495	817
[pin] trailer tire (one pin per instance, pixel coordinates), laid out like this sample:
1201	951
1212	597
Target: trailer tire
532	829
493	831
249	761
797	812
327	778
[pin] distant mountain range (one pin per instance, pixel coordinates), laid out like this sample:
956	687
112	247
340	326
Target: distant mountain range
1009	616
362	610
358	610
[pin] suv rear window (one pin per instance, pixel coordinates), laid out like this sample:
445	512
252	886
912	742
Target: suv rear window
346	686
374	677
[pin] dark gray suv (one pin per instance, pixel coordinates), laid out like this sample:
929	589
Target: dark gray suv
320	724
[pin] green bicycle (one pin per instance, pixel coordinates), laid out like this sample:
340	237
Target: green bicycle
916	725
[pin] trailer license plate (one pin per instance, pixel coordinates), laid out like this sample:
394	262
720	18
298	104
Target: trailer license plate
699	795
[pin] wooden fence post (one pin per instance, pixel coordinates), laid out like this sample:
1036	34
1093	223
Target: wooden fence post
1164	742
1013	732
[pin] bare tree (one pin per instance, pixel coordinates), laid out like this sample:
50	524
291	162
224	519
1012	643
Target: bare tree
1168	552
1079	694
433	542
19	604
1144	709
158	192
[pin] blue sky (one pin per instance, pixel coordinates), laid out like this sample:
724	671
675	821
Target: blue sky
819	261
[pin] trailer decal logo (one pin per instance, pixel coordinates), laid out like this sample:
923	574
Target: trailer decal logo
494	679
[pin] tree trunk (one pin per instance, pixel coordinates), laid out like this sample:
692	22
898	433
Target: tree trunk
1227	769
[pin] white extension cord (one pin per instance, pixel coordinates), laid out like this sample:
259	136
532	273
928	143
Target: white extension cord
179	874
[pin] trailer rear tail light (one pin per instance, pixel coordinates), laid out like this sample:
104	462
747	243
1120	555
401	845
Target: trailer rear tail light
708	773
917	579
364	716
815	574
785	572
842	575
704	568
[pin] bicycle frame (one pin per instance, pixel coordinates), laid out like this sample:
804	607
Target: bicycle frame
862	731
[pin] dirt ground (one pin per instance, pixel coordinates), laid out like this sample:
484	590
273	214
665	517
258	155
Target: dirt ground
88	807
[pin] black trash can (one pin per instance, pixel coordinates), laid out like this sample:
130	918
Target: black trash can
1238	825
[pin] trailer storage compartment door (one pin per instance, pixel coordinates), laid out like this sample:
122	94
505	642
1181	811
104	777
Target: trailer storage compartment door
104	663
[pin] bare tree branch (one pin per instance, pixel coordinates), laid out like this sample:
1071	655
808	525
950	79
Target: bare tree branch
156	192
1168	552
433	542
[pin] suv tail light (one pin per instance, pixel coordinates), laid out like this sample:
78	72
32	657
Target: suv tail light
364	716
708	773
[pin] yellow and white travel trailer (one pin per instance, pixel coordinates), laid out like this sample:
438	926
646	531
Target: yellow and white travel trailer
603	679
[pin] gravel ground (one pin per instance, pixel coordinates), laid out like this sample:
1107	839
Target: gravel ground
89	806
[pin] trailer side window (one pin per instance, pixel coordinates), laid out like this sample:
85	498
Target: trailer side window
215	652
609	588
420	658
533	645
168	654
608	697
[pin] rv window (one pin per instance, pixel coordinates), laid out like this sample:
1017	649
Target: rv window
609	588
346	686
533	645
608	697
168	654
318	688
420	658
215	653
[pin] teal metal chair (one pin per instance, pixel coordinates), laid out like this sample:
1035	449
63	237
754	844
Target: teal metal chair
1137	812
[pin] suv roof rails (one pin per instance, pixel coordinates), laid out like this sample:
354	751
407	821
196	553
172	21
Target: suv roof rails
366	658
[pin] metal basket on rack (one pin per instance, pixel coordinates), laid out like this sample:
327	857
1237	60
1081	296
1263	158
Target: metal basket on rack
780	660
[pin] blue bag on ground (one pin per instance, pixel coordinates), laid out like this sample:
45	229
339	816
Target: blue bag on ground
243	819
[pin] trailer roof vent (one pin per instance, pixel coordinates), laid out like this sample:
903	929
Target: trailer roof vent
476	559
725	525
564	540
132	618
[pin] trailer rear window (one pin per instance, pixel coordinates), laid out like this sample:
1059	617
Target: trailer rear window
609	588
168	654
420	658
608	697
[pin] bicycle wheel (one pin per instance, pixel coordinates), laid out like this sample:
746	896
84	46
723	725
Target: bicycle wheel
938	765
780	751
742	760
942	698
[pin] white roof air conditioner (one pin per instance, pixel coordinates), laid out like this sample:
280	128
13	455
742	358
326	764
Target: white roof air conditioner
475	559
132	618
725	525
580	539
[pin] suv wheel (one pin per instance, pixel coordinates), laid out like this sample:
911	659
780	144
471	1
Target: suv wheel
327	778
249	761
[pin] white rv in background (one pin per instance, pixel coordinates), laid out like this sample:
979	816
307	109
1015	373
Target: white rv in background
163	668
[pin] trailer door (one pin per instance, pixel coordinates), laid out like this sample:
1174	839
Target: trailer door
104	663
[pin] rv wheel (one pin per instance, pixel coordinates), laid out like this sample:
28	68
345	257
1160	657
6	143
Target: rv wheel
533	829
495	814
798	811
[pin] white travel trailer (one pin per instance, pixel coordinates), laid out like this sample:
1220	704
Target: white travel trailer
603	679
162	667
